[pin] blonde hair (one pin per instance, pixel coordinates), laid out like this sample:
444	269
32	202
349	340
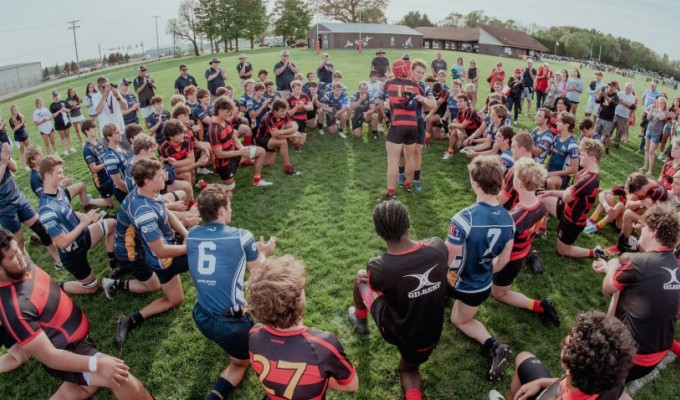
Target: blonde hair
530	173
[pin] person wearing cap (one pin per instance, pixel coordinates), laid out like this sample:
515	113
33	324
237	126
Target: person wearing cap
607	99
593	107
215	77
528	77
62	124
438	64
381	64
244	68
129	115
541	84
496	75
109	105
325	71
516	85
144	86
285	72
184	79
623	109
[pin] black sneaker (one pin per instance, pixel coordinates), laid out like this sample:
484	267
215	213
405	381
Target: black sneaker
292	172
499	357
122	329
600	253
550	312
534	262
360	325
116	272
376	136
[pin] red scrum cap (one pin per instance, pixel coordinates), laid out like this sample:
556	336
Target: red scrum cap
401	69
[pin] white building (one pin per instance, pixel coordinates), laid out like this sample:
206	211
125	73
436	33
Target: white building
17	76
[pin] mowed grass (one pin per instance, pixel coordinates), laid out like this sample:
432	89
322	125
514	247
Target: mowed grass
324	218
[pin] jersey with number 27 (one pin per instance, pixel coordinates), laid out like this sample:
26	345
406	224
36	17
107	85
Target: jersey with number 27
217	256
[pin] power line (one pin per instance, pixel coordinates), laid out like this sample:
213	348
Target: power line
75	42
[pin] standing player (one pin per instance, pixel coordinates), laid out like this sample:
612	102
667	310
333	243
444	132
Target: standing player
275	130
571	206
73	233
418	68
155	227
291	360
218	258
227	148
527	216
298	107
33	307
405	291
477	235
116	161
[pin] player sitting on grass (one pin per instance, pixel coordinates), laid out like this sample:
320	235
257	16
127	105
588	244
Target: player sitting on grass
115	160
671	167
596	356
477	235
543	138
73	233
571	205
363	110
563	163
93	153
485	145
528	215
335	107
281	343
273	134
405	291
156	120
298	107
465	124
588	131
178	151
183	113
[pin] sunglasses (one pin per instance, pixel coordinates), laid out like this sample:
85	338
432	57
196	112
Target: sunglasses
184	70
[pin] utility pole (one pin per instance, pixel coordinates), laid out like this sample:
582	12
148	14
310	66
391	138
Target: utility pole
99	45
158	49
75	43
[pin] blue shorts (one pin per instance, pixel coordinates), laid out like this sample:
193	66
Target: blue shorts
20	136
230	333
13	215
653	138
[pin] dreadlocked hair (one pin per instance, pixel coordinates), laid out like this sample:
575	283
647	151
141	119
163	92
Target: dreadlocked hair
391	220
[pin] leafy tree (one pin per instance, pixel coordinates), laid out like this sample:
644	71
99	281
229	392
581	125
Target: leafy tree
454	20
372	11
208	13
292	19
258	21
185	26
127	58
74	67
415	19
67	68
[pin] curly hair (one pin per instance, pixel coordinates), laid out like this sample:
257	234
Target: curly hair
593	148
30	153
391	220
211	199
488	173
663	220
567	119
6	238
500	110
530	173
276	291
598	352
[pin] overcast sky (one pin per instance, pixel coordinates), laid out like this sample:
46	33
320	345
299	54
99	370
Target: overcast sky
33	30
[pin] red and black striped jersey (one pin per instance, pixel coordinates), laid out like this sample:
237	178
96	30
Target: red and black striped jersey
667	172
509	190
270	122
620	192
442	100
222	137
584	192
297	365
301	113
527	221
178	152
36	304
398	92
657	193
473	117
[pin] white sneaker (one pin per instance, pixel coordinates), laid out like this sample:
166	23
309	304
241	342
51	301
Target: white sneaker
447	156
495	395
203	171
380	128
72	149
66	153
342	134
263	183
659	157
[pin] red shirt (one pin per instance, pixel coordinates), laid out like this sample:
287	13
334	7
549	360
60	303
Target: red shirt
269	122
301	113
178	152
542	83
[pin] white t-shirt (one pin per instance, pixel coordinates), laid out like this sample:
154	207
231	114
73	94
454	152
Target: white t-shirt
111	113
47	126
621	110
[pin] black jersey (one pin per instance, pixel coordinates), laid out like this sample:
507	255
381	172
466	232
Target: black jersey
412	284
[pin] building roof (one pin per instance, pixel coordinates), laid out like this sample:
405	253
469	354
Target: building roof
449	33
13	66
514	38
374	29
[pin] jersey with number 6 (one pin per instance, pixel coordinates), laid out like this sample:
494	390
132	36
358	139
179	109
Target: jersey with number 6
297	364
217	257
483	231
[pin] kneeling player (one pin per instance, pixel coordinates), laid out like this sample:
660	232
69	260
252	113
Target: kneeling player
405	291
178	151
281	343
273	134
32	306
298	107
363	110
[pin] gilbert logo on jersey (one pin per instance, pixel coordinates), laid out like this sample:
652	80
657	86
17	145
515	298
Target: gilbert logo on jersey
674	283
424	284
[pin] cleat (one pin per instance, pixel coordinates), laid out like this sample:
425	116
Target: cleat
542	234
600	254
499	357
110	288
534	262
122	329
58	266
35	240
407	188
612	250
401	179
376	136
203	171
292	172
447	155
360	325
263	183
550	313
495	395
115	272
342	134
417	186
591	228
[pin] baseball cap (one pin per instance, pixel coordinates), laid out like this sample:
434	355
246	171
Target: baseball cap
373	73
142	68
124	82
518	71
214	60
55	93
406	56
613	83
530	60
598	73
380	51
242	56
400	68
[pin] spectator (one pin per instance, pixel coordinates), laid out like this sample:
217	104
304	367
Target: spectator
381	64
458	70
144	86
87	101
528	77
74	104
42	117
593	107
650	95
216	77
438	64
497	75
622	112
109	104
60	111
516	85
472	78
285	72
184	79
17	122
325	71
244	68
541	84
574	90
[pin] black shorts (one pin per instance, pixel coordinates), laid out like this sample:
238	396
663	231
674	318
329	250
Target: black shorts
263	141
6	340
565	182
530	370
421	131
507	275
75	261
638	371
311	114
106	191
85	347
178	265
469	299
119	194
138	268
302	126
407	350
567	232
358	121
228	170
331	119
402	134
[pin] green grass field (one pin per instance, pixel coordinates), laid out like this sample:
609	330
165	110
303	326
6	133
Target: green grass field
324	218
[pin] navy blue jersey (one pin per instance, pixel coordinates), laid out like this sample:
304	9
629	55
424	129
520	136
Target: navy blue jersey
130	118
336	103
217	257
243	101
198	113
153	119
129	182
543	140
9	192
426	92
94	154
149	218
452	105
58	217
507	161
363	105
255	105
36	183
116	162
126	243
483	232
563	152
